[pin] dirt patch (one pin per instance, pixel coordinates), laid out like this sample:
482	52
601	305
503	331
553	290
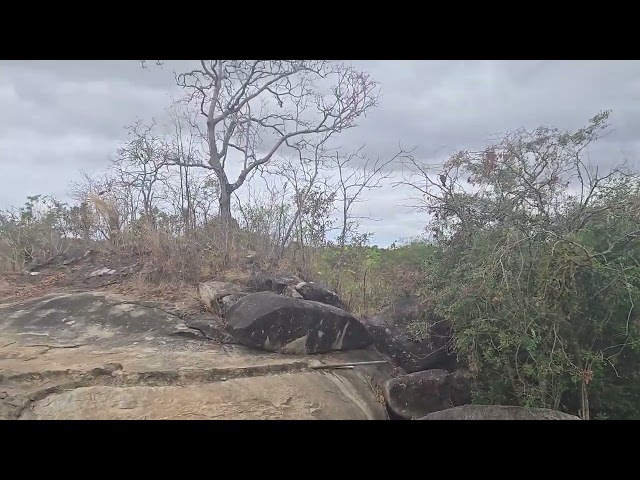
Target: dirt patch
124	273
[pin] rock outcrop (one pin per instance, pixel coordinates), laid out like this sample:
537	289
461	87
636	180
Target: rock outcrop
212	294
288	325
498	412
68	356
270	283
416	395
392	336
313	291
229	300
69	257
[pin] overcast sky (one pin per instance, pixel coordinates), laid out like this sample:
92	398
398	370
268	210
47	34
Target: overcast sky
57	117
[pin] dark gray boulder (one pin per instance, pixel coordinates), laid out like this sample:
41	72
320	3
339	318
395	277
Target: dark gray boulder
71	256
292	292
229	300
270	283
393	336
415	395
288	325
498	412
313	291
74	255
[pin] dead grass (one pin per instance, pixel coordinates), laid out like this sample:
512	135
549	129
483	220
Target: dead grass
203	254
178	293
161	264
17	286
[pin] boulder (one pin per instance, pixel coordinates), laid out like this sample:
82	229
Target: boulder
212	292
415	395
498	412
101	272
288	325
270	283
313	291
229	300
73	255
460	387
290	291
393	336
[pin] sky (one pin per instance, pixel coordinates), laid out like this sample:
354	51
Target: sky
60	117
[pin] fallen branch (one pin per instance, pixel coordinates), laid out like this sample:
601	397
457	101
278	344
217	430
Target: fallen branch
347	365
56	346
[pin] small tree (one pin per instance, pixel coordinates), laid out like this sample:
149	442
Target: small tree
306	172
34	231
140	167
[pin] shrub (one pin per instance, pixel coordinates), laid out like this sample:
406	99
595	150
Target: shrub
537	268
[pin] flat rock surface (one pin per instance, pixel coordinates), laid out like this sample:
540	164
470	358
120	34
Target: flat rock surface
104	356
298	396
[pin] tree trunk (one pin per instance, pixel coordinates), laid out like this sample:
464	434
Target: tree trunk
584	400
225	203
288	234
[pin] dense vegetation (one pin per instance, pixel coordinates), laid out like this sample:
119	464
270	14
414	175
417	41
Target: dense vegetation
537	268
529	252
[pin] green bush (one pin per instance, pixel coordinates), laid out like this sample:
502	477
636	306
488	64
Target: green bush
538	269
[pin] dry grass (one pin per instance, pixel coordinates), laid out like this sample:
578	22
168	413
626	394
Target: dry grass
139	285
16	286
163	262
202	254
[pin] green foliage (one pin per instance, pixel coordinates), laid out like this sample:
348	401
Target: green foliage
372	277
35	230
538	270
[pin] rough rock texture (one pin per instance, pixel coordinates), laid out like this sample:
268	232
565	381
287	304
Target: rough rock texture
313	291
74	255
282	324
392	336
67	356
290	291
270	283
498	412
211	293
71	256
229	300
415	395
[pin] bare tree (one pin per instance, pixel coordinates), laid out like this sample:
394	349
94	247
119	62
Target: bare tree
140	164
357	174
185	147
303	171
253	107
265	213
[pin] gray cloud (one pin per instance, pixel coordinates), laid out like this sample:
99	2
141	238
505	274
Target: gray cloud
461	104
57	117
